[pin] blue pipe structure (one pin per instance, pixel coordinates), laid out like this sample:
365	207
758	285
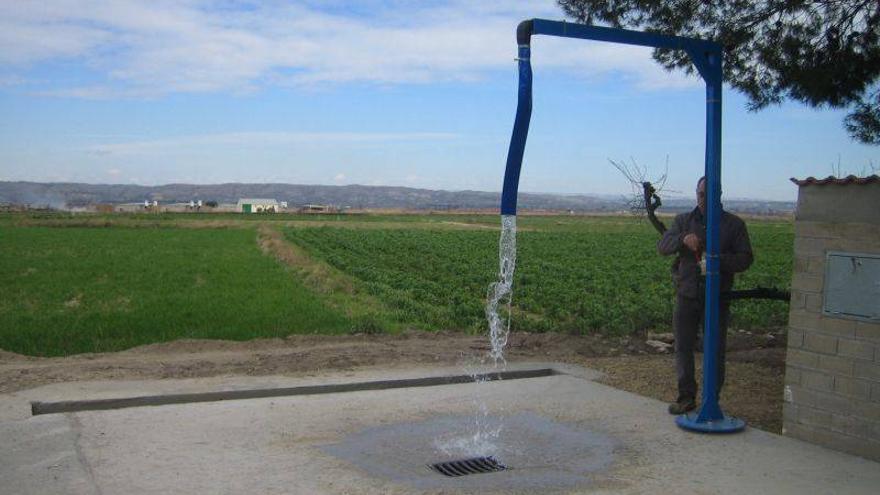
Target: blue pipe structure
707	58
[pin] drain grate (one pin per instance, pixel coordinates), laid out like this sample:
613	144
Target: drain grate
464	467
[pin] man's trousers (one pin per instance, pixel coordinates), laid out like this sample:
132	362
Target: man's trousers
686	319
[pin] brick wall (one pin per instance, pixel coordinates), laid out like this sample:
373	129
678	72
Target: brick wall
832	379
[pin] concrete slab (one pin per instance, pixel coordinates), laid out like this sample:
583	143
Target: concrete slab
42	455
562	433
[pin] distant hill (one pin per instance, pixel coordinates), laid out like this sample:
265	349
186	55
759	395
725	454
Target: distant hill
62	195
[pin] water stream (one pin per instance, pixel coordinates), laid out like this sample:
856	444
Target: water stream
488	428
500	293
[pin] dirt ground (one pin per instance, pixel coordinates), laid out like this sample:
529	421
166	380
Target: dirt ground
753	390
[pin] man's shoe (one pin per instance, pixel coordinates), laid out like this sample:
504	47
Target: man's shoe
682	406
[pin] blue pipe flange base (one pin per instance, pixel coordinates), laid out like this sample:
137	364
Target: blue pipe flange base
727	424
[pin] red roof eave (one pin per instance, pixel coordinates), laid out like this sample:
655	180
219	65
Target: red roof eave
849	179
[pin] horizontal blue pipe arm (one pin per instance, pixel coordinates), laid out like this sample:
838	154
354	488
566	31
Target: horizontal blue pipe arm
625	36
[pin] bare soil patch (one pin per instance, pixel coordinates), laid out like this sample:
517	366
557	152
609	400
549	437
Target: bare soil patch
318	276
753	390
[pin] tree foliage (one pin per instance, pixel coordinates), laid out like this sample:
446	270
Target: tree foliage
822	53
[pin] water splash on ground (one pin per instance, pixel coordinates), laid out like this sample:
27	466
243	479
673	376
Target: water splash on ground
482	443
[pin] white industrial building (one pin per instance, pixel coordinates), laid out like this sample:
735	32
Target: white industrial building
260	205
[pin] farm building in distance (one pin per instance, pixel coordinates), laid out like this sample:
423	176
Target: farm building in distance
832	377
318	209
146	205
260	205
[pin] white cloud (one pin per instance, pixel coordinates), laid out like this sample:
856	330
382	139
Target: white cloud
101	92
26	41
114	172
149	48
13	80
339	177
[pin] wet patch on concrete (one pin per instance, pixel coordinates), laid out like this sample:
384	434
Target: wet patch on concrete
540	453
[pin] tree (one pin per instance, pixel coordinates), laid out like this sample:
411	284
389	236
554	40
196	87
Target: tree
821	53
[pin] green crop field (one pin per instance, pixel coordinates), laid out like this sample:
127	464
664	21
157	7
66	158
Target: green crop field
67	287
73	290
573	274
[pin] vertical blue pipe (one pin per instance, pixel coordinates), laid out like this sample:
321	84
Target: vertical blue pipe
520	128
710	410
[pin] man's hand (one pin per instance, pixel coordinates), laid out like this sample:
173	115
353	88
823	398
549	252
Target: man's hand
693	243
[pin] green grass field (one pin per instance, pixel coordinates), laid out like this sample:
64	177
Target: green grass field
573	274
143	278
73	290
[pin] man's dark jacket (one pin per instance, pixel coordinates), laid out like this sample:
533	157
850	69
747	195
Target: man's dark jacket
735	251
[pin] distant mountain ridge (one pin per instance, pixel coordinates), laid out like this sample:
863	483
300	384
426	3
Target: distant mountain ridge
69	194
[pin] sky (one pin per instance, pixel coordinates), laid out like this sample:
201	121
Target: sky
395	92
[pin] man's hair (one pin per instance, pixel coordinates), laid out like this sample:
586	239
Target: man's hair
703	179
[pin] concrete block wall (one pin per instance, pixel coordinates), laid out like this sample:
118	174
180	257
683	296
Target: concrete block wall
832	379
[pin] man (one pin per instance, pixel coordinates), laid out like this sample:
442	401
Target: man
687	240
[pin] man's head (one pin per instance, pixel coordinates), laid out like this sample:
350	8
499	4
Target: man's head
701	195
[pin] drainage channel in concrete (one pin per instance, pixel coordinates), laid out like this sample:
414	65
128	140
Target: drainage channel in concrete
41	407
